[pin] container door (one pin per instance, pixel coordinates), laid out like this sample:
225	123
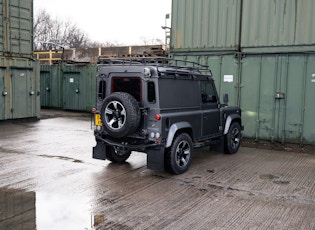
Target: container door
45	88
274	95
71	90
21	95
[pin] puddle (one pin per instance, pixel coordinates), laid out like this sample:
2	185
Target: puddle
25	210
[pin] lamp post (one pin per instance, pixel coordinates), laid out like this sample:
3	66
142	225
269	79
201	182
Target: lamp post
167	34
167	30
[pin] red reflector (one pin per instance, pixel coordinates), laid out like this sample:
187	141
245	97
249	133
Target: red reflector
157	117
94	111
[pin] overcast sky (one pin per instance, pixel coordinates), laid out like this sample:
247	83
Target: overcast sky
120	21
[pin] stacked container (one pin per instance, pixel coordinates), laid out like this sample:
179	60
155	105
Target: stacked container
260	52
19	72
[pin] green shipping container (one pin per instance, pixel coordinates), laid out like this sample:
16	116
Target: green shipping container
205	25
242	25
19	88
274	91
16	28
79	87
68	87
282	25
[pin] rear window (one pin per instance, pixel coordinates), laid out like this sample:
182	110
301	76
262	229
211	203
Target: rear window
101	89
131	85
151	92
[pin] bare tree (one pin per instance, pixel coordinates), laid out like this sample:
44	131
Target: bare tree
96	44
151	41
50	33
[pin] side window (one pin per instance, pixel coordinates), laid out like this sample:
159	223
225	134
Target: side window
102	89
208	94
151	92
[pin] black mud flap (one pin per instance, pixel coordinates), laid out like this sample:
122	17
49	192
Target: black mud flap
155	159
99	151
219	146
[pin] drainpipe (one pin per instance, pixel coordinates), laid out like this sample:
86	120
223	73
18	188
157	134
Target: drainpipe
240	27
239	56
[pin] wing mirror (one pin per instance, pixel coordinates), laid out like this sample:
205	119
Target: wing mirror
226	98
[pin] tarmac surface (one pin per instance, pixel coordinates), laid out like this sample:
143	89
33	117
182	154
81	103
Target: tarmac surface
48	180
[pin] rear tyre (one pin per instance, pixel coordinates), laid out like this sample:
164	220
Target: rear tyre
179	155
232	139
120	114
116	156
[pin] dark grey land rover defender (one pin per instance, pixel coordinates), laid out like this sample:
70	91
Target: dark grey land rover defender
161	109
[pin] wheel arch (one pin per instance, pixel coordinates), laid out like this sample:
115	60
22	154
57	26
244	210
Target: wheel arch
230	119
178	128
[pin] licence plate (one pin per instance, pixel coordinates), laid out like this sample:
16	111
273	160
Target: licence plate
98	121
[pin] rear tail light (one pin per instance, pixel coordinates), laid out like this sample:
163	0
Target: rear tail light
157	117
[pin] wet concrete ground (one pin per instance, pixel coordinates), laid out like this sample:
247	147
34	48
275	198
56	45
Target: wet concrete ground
48	180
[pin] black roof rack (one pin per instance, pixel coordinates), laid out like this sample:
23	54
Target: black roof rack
133	61
169	65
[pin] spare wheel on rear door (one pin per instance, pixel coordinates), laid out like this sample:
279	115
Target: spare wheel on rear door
120	114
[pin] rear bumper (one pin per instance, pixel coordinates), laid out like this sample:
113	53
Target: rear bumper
154	151
133	147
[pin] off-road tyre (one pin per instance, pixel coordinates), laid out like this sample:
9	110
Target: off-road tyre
115	156
232	140
120	114
179	156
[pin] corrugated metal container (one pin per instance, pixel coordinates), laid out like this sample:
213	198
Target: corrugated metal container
205	25
79	87
275	92
20	88
69	87
284	25
16	28
266	26
50	86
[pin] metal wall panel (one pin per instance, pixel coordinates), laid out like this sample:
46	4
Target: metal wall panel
274	91
205	25
16	32
20	88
